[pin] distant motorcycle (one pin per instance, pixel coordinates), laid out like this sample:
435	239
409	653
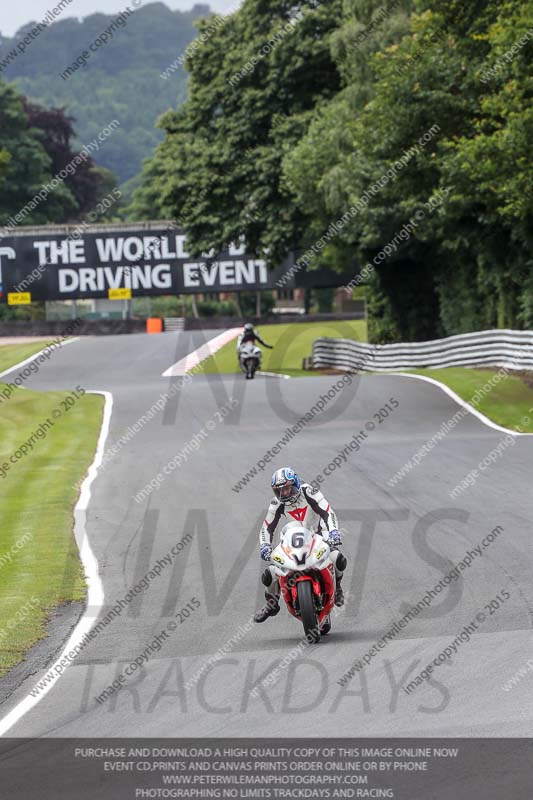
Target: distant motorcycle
302	561
250	359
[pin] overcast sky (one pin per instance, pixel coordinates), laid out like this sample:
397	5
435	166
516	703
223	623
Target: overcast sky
15	13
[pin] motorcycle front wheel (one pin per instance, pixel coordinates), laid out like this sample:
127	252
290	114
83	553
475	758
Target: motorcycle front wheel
306	602
250	369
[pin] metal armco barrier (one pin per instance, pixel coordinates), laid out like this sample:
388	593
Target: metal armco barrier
496	348
173	324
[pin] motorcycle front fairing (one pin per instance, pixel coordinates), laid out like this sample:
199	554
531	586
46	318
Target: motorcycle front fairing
249	359
248	350
302	555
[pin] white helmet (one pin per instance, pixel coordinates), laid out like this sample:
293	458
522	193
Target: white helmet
286	486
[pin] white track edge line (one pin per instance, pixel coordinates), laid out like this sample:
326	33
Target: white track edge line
205	351
95	594
462	403
36	355
274	374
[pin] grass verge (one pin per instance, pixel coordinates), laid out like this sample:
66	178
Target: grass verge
508	403
11	354
292	342
39	562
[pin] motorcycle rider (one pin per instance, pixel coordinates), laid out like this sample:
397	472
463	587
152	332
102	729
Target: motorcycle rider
249	334
306	505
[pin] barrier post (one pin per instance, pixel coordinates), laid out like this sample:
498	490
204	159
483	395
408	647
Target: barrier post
154	325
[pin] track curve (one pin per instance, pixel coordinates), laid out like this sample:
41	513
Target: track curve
400	540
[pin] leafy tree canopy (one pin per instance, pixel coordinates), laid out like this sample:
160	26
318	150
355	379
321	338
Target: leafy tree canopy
254	86
134	78
35	146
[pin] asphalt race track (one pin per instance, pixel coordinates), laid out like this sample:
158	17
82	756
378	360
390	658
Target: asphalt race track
400	541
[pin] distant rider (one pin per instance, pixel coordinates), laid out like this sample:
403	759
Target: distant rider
307	505
249	334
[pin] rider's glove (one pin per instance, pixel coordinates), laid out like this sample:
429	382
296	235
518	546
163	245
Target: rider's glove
266	552
334	539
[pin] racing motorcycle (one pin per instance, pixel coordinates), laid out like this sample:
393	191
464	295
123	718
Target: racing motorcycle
249	359
306	573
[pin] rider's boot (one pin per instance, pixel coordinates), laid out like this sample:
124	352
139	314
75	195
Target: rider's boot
339	594
270	609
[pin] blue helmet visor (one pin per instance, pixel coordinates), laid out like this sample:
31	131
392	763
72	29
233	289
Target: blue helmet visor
285	490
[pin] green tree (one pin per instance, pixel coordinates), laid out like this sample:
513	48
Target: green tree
87	183
492	173
25	167
134	78
406	123
254	86
466	264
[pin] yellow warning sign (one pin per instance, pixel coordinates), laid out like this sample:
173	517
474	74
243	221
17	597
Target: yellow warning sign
18	298
119	294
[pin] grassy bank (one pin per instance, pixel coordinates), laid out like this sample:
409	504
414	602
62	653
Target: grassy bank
508	403
11	354
292	342
39	563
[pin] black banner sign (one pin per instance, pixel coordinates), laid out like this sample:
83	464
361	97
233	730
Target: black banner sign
118	264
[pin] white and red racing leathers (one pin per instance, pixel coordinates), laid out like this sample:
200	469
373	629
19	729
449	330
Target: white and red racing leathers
312	510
